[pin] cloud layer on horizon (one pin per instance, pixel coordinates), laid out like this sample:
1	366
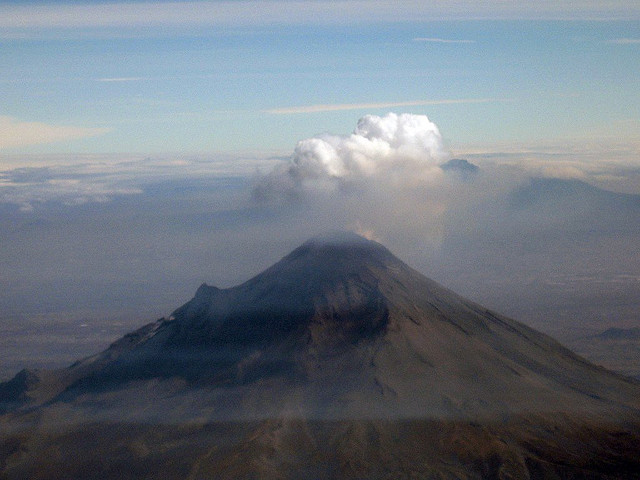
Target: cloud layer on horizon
34	180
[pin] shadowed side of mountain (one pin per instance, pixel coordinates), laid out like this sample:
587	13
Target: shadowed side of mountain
35	387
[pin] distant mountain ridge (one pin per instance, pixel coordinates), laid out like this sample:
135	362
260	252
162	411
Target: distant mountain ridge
616	333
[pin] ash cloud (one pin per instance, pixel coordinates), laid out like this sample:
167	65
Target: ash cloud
403	149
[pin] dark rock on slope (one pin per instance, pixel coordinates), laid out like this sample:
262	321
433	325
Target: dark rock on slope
339	361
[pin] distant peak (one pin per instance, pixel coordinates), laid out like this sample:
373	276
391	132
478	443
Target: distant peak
460	165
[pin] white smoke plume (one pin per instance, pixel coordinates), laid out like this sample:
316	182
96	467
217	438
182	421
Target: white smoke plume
401	148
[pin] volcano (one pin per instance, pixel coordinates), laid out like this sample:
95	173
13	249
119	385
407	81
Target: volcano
339	361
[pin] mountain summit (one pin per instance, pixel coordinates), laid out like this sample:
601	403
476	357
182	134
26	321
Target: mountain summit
340	331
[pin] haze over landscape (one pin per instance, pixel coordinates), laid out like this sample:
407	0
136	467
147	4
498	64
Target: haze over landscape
147	148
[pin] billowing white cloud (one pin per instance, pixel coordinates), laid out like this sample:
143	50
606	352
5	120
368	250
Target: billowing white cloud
404	148
14	133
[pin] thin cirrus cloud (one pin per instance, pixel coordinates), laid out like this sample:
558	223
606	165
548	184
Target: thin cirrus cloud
120	79
441	40
15	133
132	14
624	41
366	106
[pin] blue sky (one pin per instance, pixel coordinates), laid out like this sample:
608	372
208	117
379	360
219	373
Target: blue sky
159	77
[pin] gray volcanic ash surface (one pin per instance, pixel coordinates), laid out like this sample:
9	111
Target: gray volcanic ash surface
339	361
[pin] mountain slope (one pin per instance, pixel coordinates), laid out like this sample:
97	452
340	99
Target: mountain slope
339	361
341	327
